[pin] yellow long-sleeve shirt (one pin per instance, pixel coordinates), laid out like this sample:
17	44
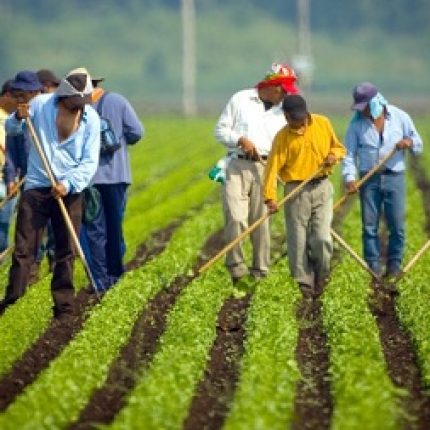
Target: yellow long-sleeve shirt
298	154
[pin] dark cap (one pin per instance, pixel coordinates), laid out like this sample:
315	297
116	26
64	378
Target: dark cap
362	94
295	106
26	81
47	76
5	88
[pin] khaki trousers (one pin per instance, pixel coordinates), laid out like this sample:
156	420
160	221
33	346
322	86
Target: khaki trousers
308	219
243	205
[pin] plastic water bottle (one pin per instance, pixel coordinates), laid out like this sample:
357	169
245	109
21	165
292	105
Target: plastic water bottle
218	172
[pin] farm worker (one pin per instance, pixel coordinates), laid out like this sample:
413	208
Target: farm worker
24	87
102	236
7	106
299	150
247	127
48	79
375	129
69	131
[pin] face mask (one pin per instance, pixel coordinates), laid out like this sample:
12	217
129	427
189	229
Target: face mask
377	105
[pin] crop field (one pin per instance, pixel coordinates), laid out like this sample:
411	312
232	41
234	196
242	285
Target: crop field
167	348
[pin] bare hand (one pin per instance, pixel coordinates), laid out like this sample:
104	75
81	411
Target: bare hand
22	111
404	143
331	160
272	206
11	188
58	190
351	187
248	147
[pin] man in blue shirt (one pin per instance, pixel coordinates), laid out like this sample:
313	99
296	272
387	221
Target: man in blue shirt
102	237
376	128
69	132
24	87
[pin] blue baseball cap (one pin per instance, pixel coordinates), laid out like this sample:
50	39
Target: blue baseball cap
26	81
362	94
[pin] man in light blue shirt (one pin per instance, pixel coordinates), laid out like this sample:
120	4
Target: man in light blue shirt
69	133
376	128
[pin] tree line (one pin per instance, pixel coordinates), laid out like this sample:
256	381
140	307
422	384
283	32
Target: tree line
394	16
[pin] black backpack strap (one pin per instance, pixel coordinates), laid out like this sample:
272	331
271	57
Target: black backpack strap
100	103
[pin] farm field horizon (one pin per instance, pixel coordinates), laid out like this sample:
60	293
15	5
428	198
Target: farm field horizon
167	348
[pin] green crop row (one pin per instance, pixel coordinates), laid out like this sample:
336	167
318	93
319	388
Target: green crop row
264	397
168	144
412	303
363	394
138	227
60	392
162	397
18	332
169	185
164	394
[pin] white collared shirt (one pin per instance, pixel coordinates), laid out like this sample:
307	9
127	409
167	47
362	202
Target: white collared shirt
245	115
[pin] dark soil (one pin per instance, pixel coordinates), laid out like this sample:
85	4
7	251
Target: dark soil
401	360
215	391
398	349
313	404
135	356
46	348
153	247
61	331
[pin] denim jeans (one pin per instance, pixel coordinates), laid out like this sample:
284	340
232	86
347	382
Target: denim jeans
6	213
102	239
383	194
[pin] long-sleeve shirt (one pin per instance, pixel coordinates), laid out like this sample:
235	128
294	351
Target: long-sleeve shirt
115	168
297	154
73	160
366	147
17	150
245	115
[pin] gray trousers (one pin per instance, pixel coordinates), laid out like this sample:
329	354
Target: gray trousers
308	218
243	204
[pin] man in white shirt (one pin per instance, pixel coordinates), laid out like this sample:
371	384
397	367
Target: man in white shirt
247	127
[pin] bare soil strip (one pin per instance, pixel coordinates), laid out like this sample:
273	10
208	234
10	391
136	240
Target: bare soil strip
215	391
313	404
398	348
106	402
59	333
401	361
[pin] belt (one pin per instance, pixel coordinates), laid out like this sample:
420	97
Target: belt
313	181
250	158
390	172
385	172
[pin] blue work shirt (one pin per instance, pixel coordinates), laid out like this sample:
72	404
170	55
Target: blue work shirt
366	147
74	160
17	149
115	168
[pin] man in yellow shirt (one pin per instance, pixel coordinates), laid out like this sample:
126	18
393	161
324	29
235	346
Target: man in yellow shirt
299	150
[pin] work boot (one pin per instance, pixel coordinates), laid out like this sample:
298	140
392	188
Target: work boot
320	285
307	290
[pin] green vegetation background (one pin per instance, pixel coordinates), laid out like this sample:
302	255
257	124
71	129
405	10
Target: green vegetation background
136	45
